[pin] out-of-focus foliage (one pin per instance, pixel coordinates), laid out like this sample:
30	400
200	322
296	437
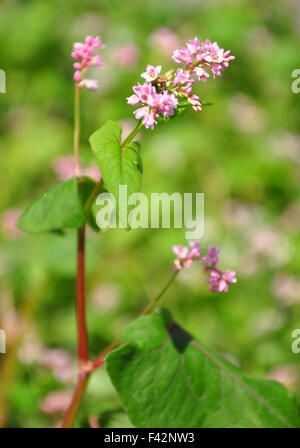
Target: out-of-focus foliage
242	152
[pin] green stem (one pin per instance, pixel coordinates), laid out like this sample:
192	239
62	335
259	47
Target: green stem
154	302
84	368
100	359
132	134
80	298
93	196
76	129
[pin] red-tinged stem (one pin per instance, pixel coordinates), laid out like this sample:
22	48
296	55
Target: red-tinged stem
80	298
78	394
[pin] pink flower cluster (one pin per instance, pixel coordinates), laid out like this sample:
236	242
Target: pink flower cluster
197	56
153	103
85	56
218	279
185	255
159	94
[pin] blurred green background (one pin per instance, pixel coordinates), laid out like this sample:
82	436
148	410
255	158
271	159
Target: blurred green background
242	152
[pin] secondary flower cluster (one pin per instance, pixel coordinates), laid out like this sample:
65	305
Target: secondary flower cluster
159	95
85	55
218	279
196	56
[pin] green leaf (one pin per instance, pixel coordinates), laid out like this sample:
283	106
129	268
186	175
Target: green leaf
119	166
56	209
166	379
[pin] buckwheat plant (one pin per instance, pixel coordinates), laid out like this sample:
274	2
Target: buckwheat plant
163	376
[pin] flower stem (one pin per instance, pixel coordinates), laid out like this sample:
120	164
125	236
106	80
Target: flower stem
80	298
92	196
132	134
153	303
84	368
100	359
76	129
76	400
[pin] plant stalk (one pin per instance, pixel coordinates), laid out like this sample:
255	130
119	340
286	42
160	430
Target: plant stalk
78	394
76	129
80	298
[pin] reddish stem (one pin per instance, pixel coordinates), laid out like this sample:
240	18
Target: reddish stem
80	298
76	399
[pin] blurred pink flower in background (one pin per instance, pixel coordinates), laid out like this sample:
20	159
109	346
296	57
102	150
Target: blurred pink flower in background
60	362
64	168
246	115
106	297
291	217
269	243
286	145
56	402
126	55
286	289
164	41
9	219
288	375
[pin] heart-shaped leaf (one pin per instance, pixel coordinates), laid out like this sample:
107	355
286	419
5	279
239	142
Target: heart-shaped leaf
166	379
56	209
120	166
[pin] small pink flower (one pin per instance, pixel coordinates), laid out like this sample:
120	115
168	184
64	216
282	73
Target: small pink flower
86	57
77	76
195	249
183	55
211	258
219	280
133	100
166	103
230	277
146	92
187	88
182	258
181	77
193	45
151	73
147	115
181	251
91	84
195	103
185	255
217	69
201	74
